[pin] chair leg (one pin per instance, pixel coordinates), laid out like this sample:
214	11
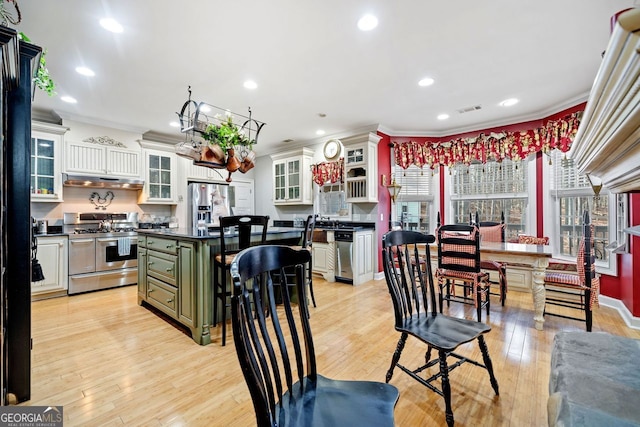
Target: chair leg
488	364
479	305
427	355
446	387
223	293
503	286
449	284
313	298
440	299
215	295
587	309
396	355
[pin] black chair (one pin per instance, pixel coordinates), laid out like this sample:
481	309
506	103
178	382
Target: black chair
494	232
414	303
307	240
275	348
576	291
235	235
459	265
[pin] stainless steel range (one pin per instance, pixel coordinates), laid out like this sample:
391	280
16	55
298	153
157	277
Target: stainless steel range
103	249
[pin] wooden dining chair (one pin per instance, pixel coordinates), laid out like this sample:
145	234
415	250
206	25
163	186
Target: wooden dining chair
459	266
275	348
576	291
235	235
414	304
491	231
307	240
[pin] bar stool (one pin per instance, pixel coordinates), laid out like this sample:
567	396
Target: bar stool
307	239
228	250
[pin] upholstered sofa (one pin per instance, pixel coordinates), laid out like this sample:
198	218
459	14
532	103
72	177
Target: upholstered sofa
594	380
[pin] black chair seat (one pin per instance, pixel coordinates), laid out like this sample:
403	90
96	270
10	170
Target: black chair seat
443	332
328	402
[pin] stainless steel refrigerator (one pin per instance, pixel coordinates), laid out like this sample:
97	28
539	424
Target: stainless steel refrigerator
207	203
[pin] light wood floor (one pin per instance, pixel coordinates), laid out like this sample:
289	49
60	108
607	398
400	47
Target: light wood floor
110	362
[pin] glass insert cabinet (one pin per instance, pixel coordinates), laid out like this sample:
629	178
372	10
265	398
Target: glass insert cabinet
46	162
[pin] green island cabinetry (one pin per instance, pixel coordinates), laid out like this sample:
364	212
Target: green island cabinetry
174	277
175	273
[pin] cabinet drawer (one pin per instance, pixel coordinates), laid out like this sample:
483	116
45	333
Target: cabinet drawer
162	296
142	241
162	266
169	246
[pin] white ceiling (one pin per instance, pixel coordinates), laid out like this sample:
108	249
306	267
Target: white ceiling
310	58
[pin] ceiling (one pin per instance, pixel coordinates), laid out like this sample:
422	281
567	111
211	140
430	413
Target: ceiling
310	59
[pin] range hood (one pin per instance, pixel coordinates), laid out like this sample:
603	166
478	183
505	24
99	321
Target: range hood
101	182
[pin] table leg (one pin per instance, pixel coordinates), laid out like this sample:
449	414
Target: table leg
538	292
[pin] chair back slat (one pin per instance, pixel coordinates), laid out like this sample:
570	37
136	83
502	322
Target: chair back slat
407	270
459	248
273	341
245	226
309	226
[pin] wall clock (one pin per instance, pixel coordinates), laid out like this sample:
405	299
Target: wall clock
332	149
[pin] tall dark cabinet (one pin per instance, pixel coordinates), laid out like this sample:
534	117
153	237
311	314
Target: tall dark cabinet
17	62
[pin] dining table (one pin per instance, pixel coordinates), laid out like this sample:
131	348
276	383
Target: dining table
534	256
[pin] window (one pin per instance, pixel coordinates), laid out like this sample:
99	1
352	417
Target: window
414	204
492	189
571	195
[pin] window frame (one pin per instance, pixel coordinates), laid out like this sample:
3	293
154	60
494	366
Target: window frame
529	195
431	197
552	225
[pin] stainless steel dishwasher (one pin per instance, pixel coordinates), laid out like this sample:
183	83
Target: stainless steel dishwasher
344	256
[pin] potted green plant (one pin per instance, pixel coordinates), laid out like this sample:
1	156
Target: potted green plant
42	80
223	138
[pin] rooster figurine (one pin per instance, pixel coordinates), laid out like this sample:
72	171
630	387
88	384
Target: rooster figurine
101	202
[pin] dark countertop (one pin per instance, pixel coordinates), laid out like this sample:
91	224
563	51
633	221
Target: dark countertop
52	234
275	232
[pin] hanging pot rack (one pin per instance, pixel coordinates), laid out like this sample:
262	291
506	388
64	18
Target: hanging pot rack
196	117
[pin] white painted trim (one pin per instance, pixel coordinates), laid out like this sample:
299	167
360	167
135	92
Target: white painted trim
379	275
629	320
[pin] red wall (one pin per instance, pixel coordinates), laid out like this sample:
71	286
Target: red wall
625	287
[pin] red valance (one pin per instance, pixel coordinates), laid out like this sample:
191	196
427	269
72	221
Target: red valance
557	134
328	172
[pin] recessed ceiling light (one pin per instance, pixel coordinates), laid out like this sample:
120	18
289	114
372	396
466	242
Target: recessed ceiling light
427	81
111	25
367	22
174	124
443	116
250	84
319	132
85	71
508	102
69	99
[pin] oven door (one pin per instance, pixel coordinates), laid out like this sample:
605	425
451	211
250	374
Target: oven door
112	253
82	255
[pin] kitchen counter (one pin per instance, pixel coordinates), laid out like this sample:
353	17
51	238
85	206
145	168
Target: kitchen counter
175	270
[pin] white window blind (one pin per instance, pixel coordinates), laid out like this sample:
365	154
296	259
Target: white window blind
416	183
506	177
565	175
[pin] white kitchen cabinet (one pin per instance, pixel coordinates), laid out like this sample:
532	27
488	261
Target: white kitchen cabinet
160	176
361	168
292	178
52	255
46	162
102	160
363	256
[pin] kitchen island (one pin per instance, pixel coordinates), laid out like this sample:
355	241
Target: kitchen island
175	273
